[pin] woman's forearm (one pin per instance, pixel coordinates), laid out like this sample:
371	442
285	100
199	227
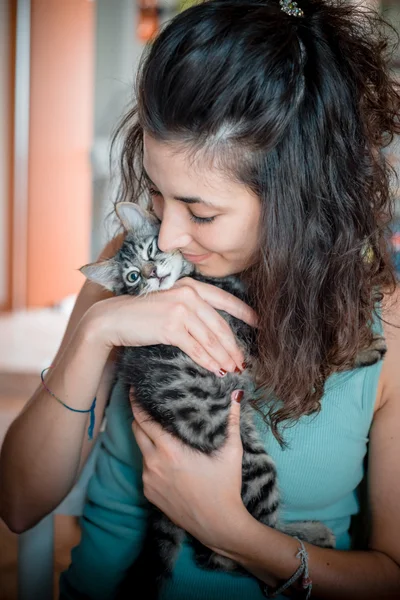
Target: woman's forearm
336	575
42	449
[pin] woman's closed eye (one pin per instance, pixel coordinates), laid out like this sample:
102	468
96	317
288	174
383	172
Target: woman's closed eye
195	218
200	220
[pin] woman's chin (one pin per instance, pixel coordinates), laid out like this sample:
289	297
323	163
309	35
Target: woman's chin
214	271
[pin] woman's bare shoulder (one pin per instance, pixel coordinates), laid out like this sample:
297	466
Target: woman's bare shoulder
389	382
384	448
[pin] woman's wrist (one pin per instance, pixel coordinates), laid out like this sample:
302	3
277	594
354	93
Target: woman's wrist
94	330
243	541
230	538
83	359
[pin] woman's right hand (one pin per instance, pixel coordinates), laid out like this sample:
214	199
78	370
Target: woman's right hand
184	316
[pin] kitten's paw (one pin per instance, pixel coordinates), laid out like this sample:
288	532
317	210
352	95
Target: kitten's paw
313	532
373	354
221	563
210	560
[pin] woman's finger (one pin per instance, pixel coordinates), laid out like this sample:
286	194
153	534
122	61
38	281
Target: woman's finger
212	331
150	428
221	300
144	420
216	337
143	441
193	348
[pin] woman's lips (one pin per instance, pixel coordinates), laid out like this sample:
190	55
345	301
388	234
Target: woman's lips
196	258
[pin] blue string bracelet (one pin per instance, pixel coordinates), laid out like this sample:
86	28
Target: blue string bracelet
90	410
302	571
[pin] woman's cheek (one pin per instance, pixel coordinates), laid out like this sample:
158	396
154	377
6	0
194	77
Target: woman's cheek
157	207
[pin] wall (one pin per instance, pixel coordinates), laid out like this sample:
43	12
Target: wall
117	56
6	98
61	118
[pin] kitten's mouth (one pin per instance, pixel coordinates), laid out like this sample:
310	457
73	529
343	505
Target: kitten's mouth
161	279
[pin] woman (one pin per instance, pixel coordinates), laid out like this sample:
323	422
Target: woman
257	138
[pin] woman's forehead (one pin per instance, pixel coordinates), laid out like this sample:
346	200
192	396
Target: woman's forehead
168	165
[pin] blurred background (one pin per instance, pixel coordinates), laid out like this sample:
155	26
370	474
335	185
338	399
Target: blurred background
67	69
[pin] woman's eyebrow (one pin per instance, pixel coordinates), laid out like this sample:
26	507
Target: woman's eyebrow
185	199
194	200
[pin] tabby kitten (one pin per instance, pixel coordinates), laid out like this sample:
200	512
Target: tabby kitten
189	401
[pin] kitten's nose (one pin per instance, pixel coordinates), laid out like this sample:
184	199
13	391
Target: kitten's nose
149	270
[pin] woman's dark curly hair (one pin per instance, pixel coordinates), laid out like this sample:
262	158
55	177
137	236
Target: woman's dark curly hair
299	110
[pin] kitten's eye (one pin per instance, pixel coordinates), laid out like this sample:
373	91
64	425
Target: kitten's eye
133	277
152	249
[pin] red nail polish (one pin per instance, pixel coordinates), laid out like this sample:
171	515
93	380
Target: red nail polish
222	372
244	365
237	370
238	396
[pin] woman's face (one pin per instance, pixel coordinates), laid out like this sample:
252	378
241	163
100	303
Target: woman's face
212	220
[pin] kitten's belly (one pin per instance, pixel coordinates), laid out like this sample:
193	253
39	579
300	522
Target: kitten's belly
187	400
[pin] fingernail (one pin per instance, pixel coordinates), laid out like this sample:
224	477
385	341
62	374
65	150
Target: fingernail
222	372
237	370
238	396
244	366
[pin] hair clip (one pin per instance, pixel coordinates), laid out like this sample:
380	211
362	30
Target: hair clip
291	8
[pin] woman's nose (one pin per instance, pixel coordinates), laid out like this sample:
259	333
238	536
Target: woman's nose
172	234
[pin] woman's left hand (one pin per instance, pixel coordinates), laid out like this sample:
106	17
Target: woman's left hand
199	493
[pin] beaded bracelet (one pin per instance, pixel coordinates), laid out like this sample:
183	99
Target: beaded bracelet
91	409
302	571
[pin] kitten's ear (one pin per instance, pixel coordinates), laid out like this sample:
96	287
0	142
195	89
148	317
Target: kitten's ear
104	273
135	217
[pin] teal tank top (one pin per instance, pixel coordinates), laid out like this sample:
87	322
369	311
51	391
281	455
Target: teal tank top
318	472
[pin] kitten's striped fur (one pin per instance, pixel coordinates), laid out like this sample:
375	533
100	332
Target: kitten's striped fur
191	403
